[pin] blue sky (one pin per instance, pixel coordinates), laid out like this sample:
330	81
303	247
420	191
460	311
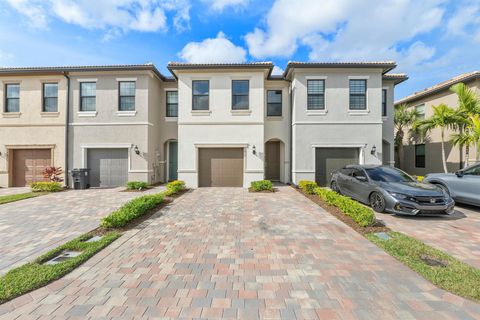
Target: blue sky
431	40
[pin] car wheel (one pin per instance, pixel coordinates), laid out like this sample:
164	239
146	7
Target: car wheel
377	202
334	187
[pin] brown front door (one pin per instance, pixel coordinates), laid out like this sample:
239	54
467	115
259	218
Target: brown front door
28	166
272	160
220	167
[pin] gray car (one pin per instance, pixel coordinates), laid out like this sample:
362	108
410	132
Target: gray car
388	189
463	185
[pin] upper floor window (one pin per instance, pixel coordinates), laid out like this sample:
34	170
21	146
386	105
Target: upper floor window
384	102
358	94
200	92
172	103
12	97
50	97
240	98
315	94
126	100
420	156
88	93
274	103
421	111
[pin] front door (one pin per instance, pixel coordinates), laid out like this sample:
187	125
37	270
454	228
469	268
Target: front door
172	160
272	160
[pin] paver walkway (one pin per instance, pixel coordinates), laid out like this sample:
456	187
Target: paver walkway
11	191
227	253
33	226
457	234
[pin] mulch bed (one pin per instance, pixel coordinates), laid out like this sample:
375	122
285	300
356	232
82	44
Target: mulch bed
337	213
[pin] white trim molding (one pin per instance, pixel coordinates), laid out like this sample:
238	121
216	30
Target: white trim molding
246	112
111	124
132	113
201	112
87	114
125	79
127	146
87	79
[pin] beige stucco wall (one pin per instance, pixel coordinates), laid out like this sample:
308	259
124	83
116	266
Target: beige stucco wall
433	155
220	127
32	128
108	128
336	126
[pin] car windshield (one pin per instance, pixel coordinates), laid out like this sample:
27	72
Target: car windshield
388	174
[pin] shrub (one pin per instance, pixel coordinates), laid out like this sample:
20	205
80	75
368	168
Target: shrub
419	178
136	185
46	186
53	174
262	185
307	186
131	210
174	187
362	215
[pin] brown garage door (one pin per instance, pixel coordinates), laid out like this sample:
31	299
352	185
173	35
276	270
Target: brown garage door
28	166
220	167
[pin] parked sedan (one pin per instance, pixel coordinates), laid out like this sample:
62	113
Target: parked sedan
388	189
463	185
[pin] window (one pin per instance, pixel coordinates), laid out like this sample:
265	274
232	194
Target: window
126	101
358	94
88	92
274	103
420	156
172	103
12	97
315	94
421	111
240	94
200	94
384	102
473	171
50	97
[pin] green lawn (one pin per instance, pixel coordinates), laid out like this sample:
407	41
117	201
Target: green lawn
20	196
457	277
34	275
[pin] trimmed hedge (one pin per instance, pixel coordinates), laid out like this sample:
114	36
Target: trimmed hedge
132	210
261	185
307	186
174	187
46	186
362	215
137	185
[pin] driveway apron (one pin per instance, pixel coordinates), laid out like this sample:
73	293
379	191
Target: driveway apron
227	253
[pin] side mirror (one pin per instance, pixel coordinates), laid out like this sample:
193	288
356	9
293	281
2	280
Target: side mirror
361	178
459	173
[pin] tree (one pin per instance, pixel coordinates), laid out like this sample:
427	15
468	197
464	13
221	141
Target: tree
443	117
404	120
468	105
475	131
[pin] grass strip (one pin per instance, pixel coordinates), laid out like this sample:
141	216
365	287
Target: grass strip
20	196
34	275
456	277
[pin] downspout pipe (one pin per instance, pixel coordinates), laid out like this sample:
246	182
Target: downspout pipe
291	131
67	119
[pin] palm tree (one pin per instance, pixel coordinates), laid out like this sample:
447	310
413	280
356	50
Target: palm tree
475	130
404	120
443	117
468	104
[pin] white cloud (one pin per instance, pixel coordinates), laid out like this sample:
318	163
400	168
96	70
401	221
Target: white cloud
117	15
213	50
345	29
277	71
220	5
465	22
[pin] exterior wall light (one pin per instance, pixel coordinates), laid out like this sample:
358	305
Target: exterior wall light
374	149
254	150
136	150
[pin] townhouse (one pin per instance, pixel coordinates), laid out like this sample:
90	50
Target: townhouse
423	155
207	124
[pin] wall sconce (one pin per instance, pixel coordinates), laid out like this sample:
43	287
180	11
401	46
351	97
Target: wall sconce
254	150
374	149
136	150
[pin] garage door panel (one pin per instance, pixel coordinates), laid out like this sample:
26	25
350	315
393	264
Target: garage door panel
108	167
220	167
328	160
28	166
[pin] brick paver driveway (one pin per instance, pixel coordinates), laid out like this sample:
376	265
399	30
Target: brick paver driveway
31	227
11	191
457	234
229	253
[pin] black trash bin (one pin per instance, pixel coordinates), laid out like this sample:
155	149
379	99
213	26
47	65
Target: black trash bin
80	178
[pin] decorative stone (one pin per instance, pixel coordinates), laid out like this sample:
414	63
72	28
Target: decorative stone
94	239
63	256
383	235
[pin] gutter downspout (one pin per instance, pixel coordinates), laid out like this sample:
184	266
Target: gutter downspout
67	116
291	132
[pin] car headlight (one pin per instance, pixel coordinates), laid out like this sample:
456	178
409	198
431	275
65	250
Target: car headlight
401	196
